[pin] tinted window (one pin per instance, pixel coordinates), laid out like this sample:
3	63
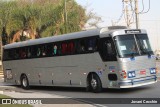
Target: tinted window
22	53
64	48
92	44
107	49
44	50
49	48
70	47
28	52
15	53
6	55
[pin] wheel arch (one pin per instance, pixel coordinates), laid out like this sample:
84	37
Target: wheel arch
22	75
89	75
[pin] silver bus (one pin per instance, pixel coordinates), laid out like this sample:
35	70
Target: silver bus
95	59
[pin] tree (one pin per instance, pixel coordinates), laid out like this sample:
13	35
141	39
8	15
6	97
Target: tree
40	18
6	20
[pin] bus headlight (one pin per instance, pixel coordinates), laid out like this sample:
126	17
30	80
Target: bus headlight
131	74
152	70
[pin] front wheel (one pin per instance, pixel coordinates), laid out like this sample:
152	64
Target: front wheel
95	83
24	82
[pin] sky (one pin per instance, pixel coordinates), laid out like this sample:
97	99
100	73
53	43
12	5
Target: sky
111	10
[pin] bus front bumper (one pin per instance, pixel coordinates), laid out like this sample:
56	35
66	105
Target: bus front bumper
138	82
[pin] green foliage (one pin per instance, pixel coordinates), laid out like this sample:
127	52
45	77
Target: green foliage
3	96
47	17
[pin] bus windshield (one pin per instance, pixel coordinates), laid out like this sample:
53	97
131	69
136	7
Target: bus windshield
144	44
127	47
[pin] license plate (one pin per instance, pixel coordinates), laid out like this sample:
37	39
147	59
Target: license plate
142	72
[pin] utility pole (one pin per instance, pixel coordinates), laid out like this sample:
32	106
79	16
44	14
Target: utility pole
137	14
127	12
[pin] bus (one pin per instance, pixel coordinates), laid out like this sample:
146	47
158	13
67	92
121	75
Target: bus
95	59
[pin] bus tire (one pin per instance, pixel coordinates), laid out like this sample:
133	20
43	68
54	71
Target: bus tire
95	83
24	82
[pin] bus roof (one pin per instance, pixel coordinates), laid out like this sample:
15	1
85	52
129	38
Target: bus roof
94	32
56	38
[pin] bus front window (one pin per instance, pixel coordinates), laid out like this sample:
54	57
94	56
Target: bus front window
144	44
126	45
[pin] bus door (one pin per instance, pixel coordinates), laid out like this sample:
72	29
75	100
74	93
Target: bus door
108	54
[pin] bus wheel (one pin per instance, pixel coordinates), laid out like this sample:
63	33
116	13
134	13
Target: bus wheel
95	83
24	82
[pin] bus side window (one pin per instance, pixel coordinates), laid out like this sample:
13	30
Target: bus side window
49	49
8	54
34	51
15	54
64	48
107	49
59	49
81	46
5	55
38	51
71	48
54	49
22	53
44	50
28	52
92	44
77	47
96	44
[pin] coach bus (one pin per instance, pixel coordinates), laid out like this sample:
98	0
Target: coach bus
95	59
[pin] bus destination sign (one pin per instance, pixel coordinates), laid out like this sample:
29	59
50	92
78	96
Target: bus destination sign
132	31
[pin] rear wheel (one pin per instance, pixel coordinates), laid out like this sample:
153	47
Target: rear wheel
95	83
24	82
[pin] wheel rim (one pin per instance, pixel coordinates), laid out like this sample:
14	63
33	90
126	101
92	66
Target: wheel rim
24	82
93	83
